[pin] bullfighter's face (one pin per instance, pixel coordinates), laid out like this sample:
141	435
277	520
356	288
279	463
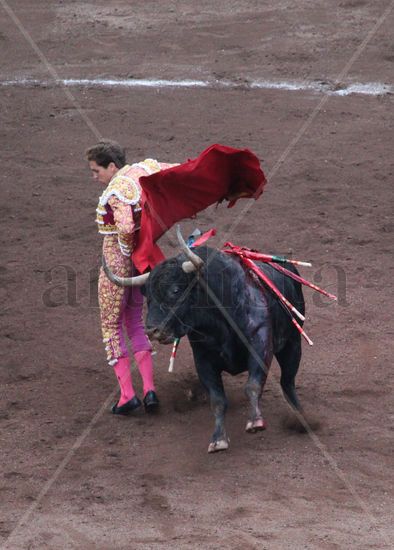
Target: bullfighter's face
101	174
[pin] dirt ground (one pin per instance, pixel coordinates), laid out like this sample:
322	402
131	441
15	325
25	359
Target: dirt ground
72	474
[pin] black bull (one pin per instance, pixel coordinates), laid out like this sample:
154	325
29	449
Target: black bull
234	324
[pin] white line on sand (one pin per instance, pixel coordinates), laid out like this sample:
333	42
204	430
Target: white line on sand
371	88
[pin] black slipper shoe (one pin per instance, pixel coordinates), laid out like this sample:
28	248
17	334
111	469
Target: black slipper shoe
128	407
151	403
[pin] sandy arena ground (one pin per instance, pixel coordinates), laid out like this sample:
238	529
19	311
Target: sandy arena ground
72	474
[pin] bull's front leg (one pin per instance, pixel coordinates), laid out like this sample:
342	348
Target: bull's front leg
258	366
209	374
219	441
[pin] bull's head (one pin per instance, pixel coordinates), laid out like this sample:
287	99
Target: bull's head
170	290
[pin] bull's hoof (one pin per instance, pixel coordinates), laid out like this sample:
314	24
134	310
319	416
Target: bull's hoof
216	446
254	426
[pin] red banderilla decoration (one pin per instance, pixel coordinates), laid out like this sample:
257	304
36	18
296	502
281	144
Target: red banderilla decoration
247	255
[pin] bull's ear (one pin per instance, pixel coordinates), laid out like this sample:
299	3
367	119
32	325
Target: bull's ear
143	290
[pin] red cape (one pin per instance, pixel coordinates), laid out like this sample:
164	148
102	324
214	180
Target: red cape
218	173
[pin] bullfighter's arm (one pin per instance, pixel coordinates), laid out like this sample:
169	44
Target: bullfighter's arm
124	223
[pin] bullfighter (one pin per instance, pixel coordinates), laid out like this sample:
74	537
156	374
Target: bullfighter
118	218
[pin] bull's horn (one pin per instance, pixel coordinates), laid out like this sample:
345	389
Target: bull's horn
188	267
139	280
194	259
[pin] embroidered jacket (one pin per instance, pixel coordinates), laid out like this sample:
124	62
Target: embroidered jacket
119	209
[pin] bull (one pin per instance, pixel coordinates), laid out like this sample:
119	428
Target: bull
233	323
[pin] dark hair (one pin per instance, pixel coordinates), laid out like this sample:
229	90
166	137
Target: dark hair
105	152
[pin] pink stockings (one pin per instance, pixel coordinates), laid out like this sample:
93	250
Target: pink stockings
145	366
123	374
131	319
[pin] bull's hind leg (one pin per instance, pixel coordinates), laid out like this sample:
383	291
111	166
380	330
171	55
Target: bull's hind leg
289	360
